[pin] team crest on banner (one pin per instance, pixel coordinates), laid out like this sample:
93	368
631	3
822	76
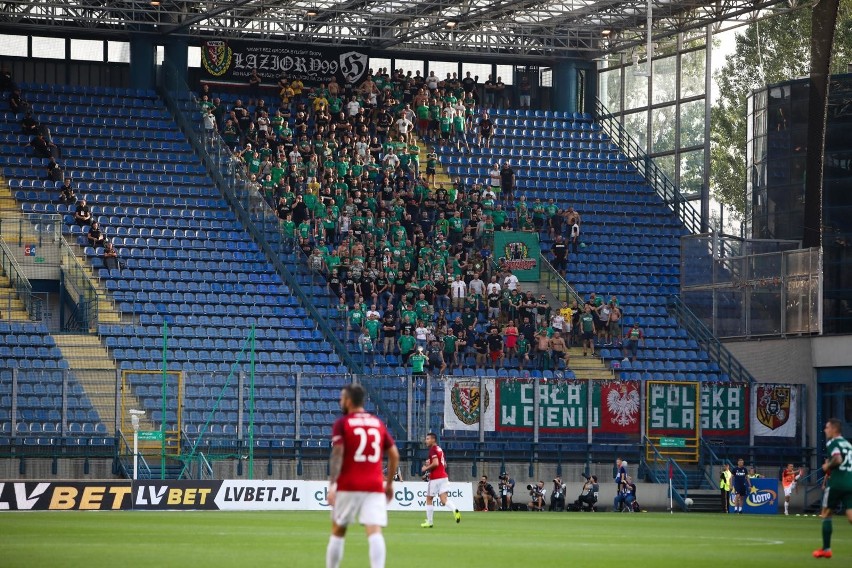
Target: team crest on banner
519	252
466	404
216	57
353	65
775	410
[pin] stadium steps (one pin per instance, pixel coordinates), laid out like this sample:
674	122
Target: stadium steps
588	367
441	175
14	308
107	311
8	205
95	370
11	214
705	501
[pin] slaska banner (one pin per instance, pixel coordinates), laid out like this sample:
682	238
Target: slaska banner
774	410
761	498
232	61
672	409
724	410
466	403
520	252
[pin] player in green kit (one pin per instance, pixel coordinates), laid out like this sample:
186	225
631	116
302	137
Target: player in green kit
838	487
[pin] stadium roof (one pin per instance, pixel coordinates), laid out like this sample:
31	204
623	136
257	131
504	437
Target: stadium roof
487	28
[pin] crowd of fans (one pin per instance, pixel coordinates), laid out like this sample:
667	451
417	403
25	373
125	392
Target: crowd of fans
408	257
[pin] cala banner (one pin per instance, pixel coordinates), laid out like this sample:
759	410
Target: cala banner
563	406
466	402
518	251
232	61
774	410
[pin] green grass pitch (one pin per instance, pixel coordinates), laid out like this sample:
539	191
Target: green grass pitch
488	540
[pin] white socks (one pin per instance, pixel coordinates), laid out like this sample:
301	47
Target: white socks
334	551
786	508
450	506
430	513
377	550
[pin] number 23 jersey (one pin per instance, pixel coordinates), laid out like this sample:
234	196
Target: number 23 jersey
364	438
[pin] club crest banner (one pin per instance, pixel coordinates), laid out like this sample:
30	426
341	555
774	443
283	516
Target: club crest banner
519	251
774	410
466	402
232	61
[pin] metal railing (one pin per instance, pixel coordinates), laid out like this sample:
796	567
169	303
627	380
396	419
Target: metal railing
78	284
560	288
710	462
37	228
714	348
125	457
19	283
254	213
646	166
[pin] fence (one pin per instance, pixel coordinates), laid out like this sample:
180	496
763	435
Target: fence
747	288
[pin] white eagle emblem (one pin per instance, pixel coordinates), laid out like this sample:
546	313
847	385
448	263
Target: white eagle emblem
623	405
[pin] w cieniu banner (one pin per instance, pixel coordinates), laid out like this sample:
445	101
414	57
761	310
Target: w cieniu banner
232	61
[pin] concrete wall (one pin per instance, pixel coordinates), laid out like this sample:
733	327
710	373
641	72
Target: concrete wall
795	360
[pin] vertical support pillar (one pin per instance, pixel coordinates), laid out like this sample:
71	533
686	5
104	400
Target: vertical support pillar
175	55
565	86
708	88
142	60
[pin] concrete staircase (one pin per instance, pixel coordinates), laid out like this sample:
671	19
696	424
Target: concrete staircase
107	310
11	306
93	367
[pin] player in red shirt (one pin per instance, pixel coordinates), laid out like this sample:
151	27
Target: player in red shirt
436	467
357	486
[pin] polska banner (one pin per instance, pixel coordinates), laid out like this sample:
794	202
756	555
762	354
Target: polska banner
232	61
466	402
774	410
672	409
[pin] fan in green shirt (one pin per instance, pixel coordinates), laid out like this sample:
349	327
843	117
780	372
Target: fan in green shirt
373	326
418	361
450	343
406	343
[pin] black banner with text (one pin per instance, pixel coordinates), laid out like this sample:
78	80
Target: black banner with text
232	61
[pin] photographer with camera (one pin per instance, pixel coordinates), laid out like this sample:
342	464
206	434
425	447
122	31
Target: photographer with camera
537	493
557	496
485	496
588	495
507	489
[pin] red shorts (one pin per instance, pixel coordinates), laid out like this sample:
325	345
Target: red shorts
495	355
423	123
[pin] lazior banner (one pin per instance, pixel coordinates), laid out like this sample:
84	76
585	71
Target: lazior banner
466	402
519	251
232	61
761	498
724	410
774	410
